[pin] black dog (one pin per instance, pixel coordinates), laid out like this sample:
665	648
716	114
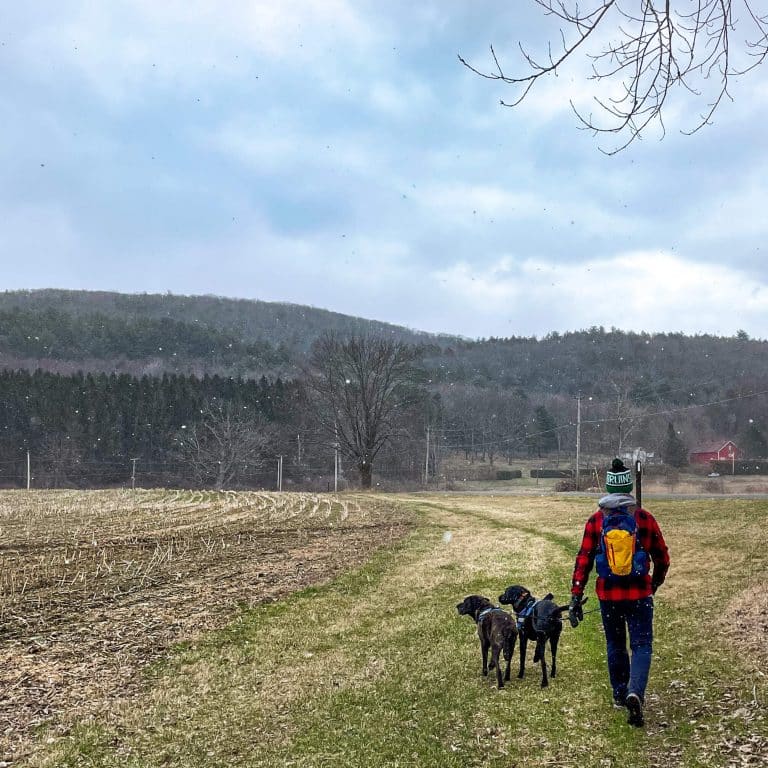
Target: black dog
537	621
495	628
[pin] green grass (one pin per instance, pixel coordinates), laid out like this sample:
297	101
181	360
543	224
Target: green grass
377	669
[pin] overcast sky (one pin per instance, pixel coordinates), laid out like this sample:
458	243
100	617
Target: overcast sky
336	153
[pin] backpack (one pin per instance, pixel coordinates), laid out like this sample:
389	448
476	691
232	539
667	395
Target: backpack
619	553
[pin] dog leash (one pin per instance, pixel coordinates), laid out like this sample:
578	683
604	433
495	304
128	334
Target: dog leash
583	613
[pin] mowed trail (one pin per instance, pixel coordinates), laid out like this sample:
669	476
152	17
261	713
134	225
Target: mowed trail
377	669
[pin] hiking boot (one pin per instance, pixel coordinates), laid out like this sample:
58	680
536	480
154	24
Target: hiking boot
635	707
619	703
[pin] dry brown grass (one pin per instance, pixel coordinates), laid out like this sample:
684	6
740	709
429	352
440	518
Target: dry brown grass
745	622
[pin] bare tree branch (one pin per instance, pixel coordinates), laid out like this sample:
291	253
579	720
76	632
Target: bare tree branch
653	46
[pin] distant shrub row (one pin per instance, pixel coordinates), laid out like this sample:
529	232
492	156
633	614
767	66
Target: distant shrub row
516	474
550	473
750	467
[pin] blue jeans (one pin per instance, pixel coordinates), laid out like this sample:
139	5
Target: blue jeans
628	675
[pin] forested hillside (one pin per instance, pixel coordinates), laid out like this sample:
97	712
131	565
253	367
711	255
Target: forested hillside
70	331
94	380
291	325
55	340
666	367
90	331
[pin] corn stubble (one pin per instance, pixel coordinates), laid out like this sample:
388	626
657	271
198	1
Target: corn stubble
96	586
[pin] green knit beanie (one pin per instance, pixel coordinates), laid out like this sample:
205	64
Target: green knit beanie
618	479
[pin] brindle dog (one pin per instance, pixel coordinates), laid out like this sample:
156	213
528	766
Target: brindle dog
538	621
495	628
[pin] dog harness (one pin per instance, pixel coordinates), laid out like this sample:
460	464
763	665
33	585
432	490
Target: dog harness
526	611
487	611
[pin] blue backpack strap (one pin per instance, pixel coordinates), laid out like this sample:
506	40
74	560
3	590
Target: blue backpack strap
525	612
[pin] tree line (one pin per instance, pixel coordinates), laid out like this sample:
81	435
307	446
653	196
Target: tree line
359	405
87	430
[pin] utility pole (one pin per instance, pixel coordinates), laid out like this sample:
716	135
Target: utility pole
133	474
335	469
29	473
336	459
426	461
298	439
279	473
578	437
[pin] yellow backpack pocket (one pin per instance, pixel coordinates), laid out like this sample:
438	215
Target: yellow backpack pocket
619	551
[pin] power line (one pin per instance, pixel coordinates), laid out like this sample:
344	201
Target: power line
610	419
681	409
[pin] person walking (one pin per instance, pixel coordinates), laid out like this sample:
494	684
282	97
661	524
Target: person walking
622	540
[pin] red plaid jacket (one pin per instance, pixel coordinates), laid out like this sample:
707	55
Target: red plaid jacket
632	587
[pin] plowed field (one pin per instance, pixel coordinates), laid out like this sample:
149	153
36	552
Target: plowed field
94	586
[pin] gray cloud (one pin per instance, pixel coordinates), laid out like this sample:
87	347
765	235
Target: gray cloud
336	154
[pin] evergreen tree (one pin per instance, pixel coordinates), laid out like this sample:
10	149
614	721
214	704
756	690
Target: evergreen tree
753	442
675	451
542	433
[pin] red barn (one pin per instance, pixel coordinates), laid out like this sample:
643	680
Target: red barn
720	451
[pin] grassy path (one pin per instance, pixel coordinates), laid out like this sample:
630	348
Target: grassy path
376	669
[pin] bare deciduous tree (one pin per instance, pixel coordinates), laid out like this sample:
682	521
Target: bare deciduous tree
646	48
626	414
60	458
363	388
223	444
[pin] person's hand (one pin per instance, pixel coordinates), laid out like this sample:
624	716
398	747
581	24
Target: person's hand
575	611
